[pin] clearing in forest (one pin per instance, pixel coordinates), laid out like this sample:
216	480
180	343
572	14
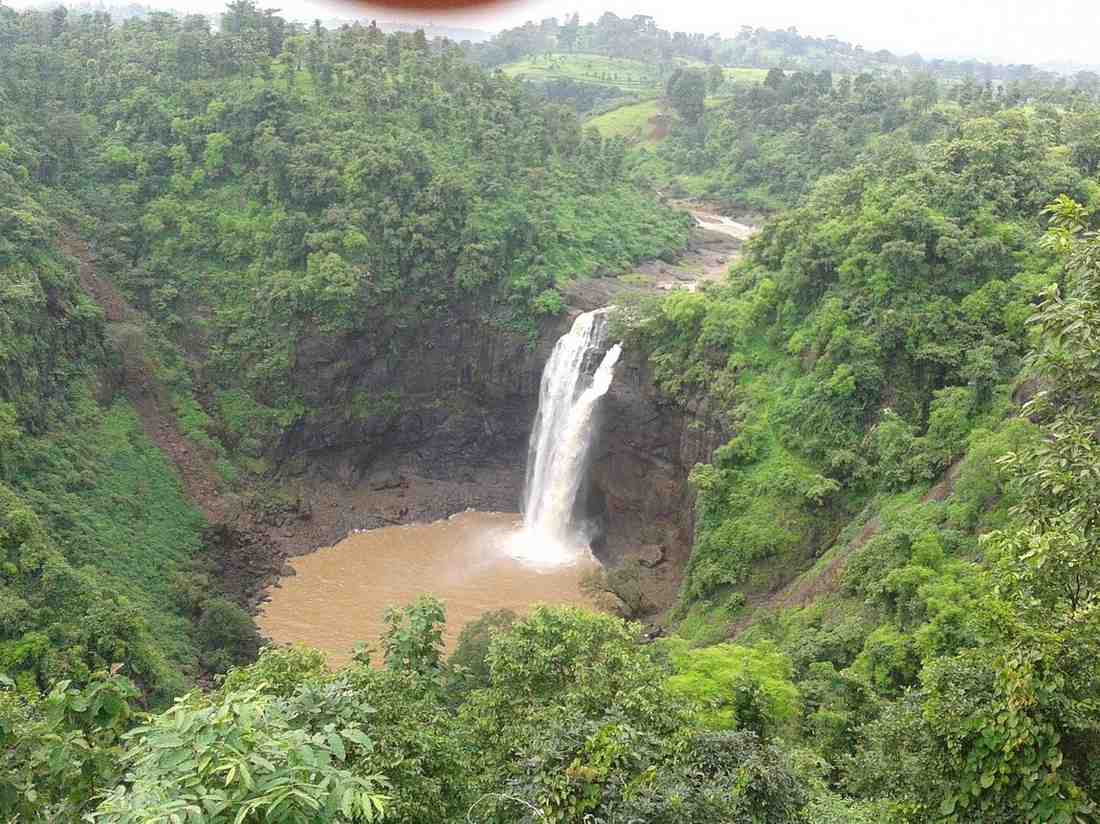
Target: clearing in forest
629	75
645	122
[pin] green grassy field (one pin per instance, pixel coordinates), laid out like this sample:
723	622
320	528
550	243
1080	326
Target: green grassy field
738	73
628	75
632	76
631	122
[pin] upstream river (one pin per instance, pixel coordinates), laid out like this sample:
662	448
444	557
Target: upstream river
474	562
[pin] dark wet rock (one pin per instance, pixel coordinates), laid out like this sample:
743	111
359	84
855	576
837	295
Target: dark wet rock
244	562
386	479
647	446
419	424
595	293
433	401
651	556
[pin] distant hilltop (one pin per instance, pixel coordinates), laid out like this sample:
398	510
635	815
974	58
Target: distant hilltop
1069	68
120	11
432	30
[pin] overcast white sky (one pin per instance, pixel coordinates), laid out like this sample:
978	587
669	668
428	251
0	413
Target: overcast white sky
1014	31
1010	31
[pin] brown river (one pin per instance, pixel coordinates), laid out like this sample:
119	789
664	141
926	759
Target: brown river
474	562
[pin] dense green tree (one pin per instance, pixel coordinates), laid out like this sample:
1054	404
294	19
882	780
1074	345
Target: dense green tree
739	687
227	635
686	89
59	751
414	637
469	659
1032	749
715	78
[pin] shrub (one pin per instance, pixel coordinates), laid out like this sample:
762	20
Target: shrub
473	645
736	687
227	634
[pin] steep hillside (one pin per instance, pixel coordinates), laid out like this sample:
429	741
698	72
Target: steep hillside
869	355
94	523
193	233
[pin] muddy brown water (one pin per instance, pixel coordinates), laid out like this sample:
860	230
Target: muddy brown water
474	562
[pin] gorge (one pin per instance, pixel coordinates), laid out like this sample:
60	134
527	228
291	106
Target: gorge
474	562
320	315
475	405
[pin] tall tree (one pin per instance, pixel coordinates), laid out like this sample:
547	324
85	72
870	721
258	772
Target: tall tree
686	91
1030	750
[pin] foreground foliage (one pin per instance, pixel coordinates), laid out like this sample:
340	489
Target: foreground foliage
574	718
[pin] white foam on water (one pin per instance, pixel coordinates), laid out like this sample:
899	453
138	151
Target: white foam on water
544	552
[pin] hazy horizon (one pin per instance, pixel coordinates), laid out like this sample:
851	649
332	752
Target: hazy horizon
1004	31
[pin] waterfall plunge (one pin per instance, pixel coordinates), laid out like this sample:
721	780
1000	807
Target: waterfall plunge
558	452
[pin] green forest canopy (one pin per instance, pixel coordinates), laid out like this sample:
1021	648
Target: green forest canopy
906	355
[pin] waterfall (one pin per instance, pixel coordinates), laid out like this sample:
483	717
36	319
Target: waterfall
562	434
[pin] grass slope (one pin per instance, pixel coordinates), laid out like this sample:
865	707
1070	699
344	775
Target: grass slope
111	500
744	74
631	122
629	75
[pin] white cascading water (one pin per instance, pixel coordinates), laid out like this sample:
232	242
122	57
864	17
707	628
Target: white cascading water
558	452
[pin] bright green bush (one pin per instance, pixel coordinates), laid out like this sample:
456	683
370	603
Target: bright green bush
735	687
255	763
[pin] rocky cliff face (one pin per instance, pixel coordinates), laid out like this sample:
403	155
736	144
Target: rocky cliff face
454	400
450	400
638	489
